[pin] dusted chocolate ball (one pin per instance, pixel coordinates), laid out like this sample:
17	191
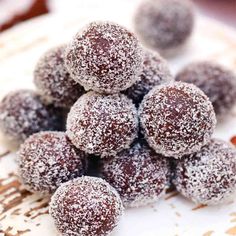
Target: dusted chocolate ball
102	124
138	174
86	206
208	176
217	82
155	71
22	113
164	25
104	57
48	159
54	81
177	119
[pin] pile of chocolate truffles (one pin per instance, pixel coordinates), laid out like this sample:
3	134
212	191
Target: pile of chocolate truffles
130	130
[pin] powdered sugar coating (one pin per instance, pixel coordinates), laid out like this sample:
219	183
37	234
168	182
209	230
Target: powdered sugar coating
54	81
164	24
138	174
104	57
177	119
86	206
217	82
23	113
48	159
208	176
102	124
155	71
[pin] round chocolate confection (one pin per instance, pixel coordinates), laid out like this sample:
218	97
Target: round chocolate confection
102	124
217	82
86	206
47	159
155	71
164	25
138	174
23	113
177	119
54	81
104	57
208	176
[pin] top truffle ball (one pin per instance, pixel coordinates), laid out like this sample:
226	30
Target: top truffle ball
164	25
104	57
54	81
177	119
217	82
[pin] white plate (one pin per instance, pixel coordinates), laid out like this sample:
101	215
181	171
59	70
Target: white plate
26	214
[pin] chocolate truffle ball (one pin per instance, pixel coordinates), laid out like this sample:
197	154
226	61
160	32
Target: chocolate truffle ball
104	57
102	124
86	206
164	25
208	176
48	159
23	113
217	82
138	174
177	119
155	71
54	81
